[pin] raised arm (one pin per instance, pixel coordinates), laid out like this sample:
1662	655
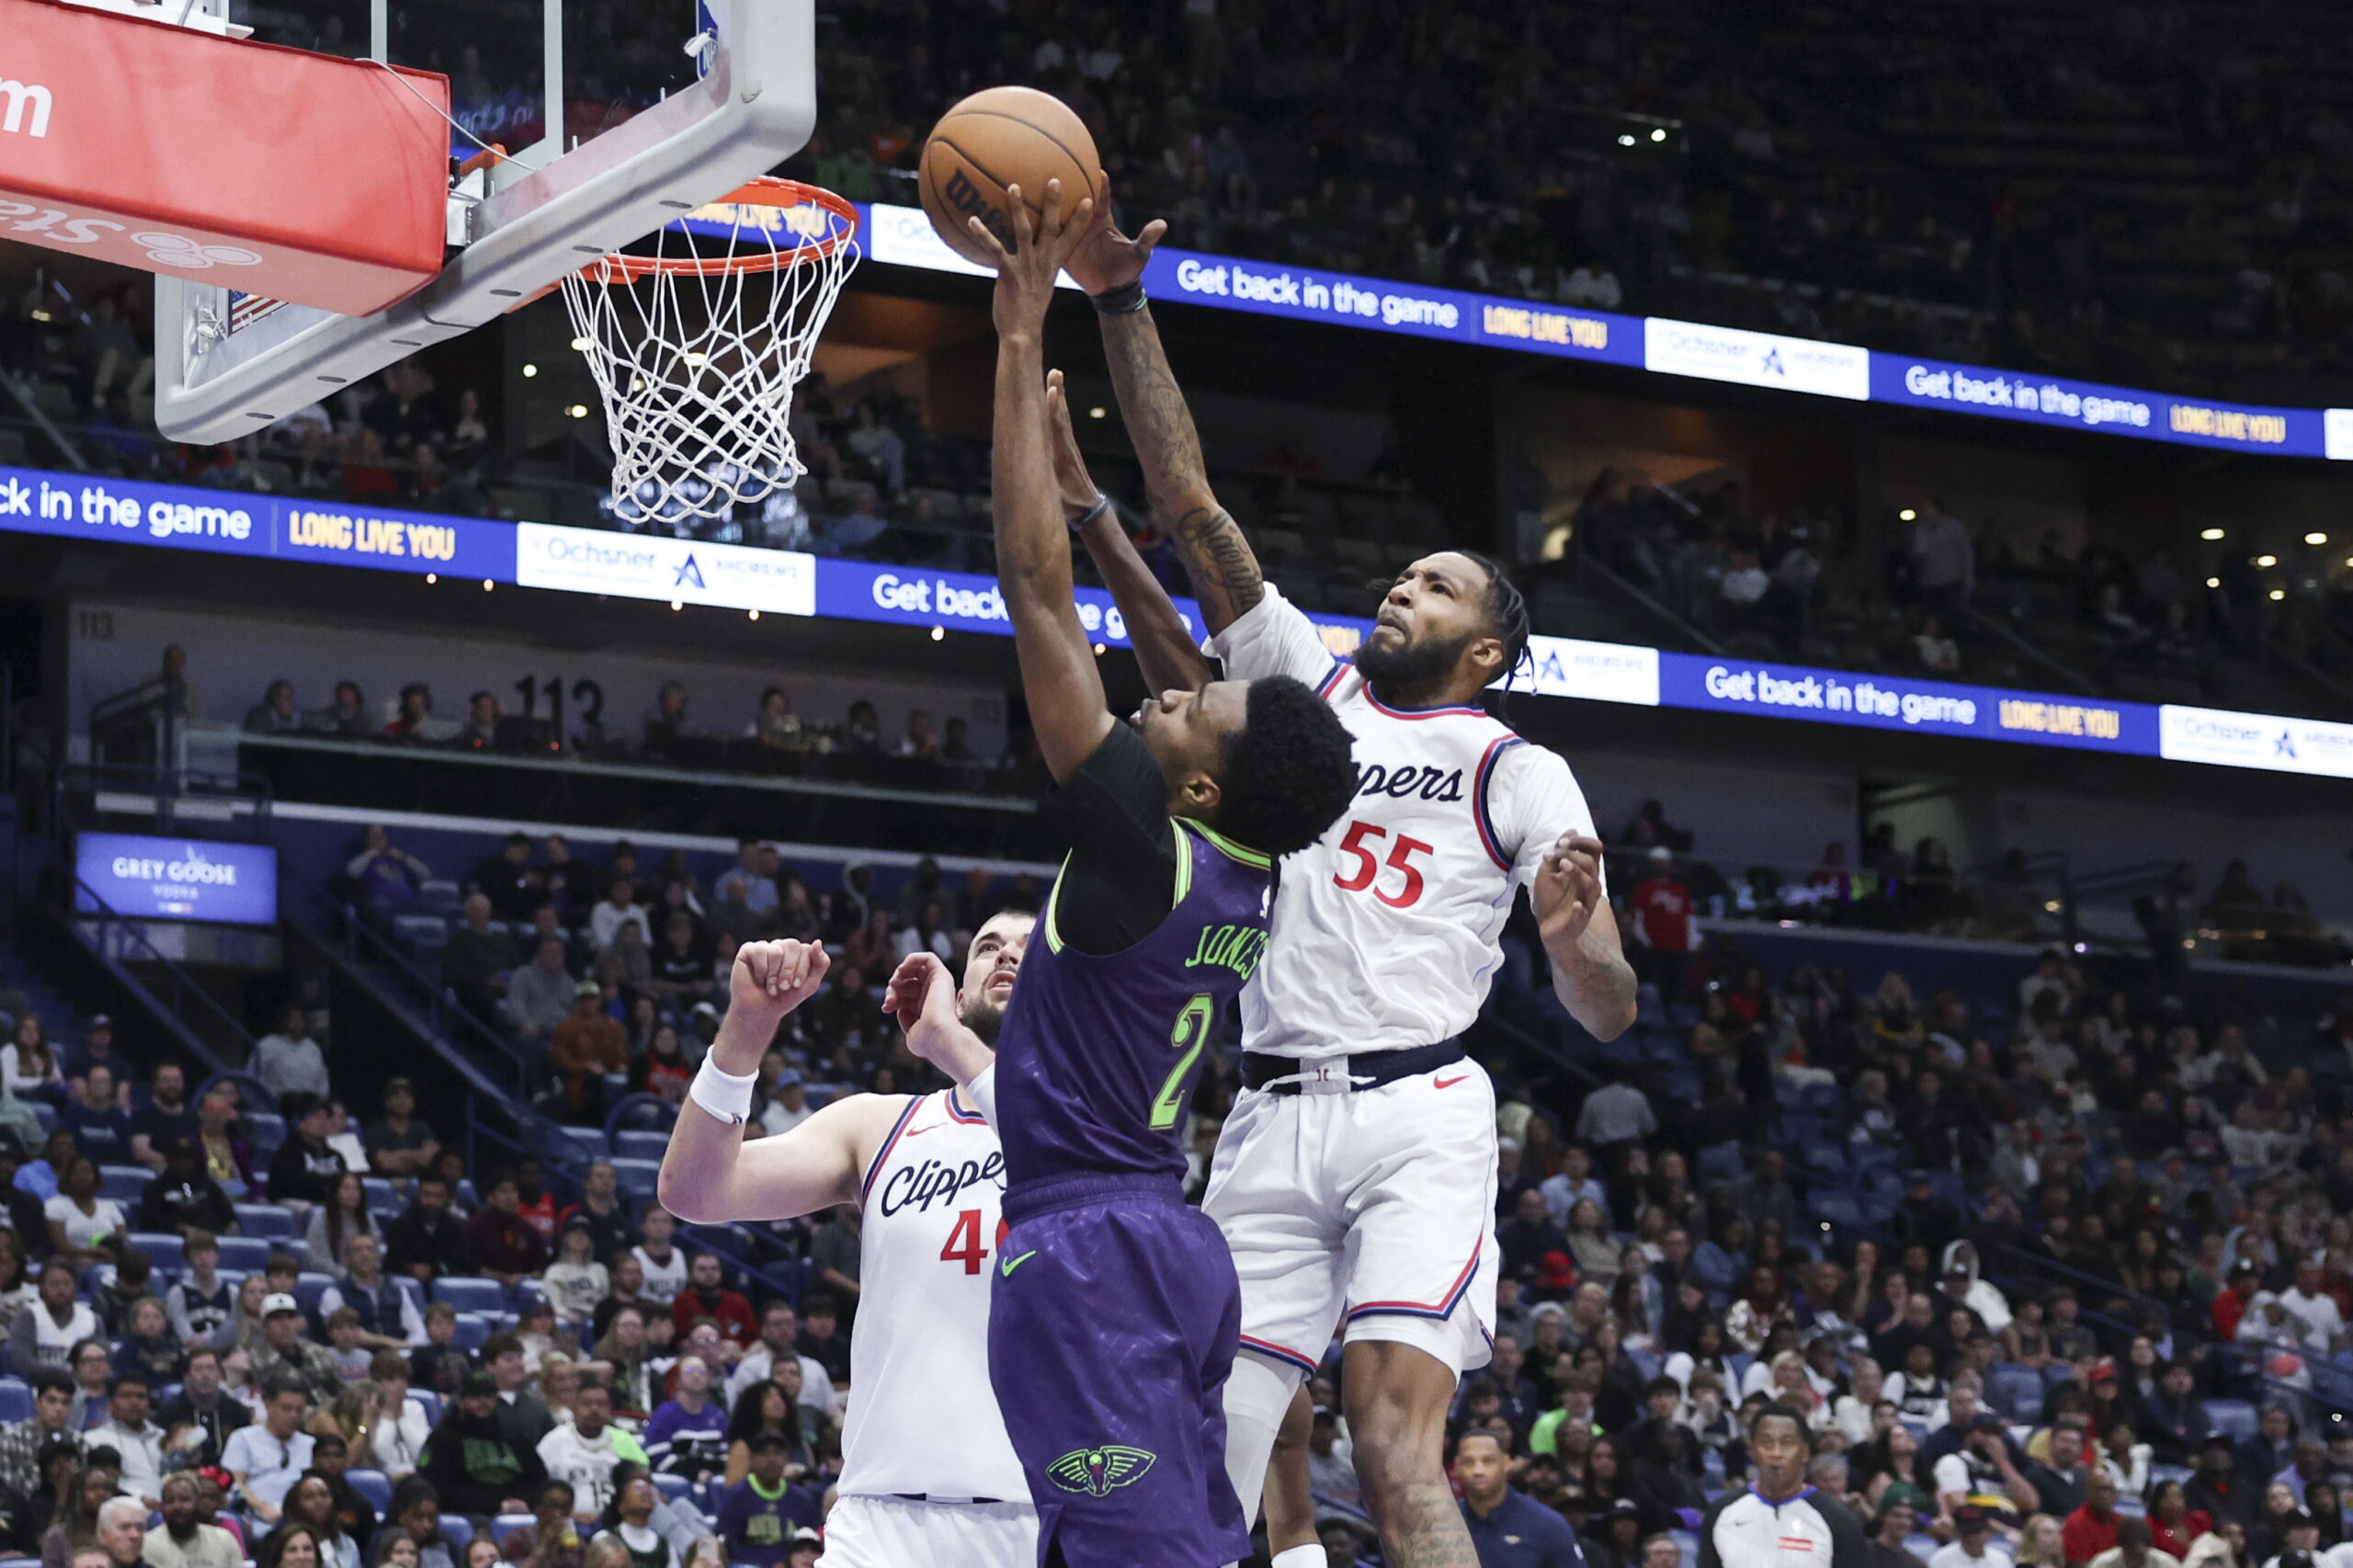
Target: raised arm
710	1174
1110	266
1058	672
1165	648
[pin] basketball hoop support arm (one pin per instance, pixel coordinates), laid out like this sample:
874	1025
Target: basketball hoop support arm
755	106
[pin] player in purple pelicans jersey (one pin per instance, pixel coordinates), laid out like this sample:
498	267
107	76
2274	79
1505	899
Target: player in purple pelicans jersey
1115	1314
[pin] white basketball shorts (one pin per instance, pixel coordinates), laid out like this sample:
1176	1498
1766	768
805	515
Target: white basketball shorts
897	1532
1379	1203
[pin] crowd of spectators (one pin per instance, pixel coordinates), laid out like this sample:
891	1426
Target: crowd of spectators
1954	599
610	978
608	1395
2061	1275
774	738
1884	171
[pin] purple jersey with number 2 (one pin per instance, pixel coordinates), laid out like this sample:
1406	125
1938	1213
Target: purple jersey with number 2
1098	1054
1116	1311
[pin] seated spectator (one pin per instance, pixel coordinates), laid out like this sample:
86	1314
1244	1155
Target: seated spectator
605	1213
540	994
416	722
335	1223
183	1540
628	1524
618	908
1938	653
687	1435
475	1460
274	714
509	881
291	1062
305	1170
286	1358
148	1345
198	1420
22	1441
265	1458
83	1226
385	876
757	1515
427	1240
575	1281
706	1296
101	1128
663	1070
167	1115
500	1244
345	714
388	1315
398	1144
479	957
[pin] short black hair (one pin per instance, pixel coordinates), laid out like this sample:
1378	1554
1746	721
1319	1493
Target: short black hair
48	1378
1768	1410
1507	609
1288	775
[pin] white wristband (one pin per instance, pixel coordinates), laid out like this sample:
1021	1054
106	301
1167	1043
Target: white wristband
727	1096
981	1091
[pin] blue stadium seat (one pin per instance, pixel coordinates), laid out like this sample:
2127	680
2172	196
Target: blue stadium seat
470	1295
1720	1161
639	1143
459	1529
581	1143
266	1129
637	1178
165	1250
16	1399
372	1484
432	1403
2235	1417
676	1488
123	1183
473	1329
309	1288
1838	1208
245	1254
382	1198
505	1524
266	1221
2015	1392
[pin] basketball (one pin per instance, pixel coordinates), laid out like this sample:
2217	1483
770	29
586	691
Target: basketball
1000	136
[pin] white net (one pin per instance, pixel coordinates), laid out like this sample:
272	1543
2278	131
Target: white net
697	343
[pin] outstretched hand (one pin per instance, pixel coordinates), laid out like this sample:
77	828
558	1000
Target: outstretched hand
922	997
1042	246
1106	258
1077	486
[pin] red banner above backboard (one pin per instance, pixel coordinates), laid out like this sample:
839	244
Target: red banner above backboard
272	170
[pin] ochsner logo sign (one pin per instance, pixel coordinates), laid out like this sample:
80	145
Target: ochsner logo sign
1595	672
2256	740
640	566
1756	358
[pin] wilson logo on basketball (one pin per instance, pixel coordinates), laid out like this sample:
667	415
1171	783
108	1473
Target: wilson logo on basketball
966	197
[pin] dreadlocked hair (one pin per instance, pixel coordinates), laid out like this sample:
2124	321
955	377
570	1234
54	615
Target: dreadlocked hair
1507	610
1288	775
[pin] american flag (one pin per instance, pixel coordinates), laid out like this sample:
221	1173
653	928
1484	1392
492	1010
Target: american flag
246	309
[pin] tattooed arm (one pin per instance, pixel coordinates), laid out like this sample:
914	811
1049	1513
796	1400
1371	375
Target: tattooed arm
1166	650
1225	573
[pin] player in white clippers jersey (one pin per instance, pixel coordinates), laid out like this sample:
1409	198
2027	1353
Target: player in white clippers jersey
1357	1170
928	1475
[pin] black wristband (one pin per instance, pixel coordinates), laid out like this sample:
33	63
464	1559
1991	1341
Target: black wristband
1124	301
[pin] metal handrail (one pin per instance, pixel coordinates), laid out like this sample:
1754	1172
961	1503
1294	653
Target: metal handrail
183	986
439	1006
2072	676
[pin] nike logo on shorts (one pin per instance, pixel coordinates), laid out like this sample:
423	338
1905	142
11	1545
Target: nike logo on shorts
1011	1263
1448	1083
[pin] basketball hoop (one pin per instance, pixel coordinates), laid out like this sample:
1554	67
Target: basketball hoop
697	347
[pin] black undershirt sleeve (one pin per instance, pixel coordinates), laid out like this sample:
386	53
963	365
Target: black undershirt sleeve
1121	879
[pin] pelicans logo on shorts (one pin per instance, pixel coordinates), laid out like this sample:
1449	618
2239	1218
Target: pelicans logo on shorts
1096	1471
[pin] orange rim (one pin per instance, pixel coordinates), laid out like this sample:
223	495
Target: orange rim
780	195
